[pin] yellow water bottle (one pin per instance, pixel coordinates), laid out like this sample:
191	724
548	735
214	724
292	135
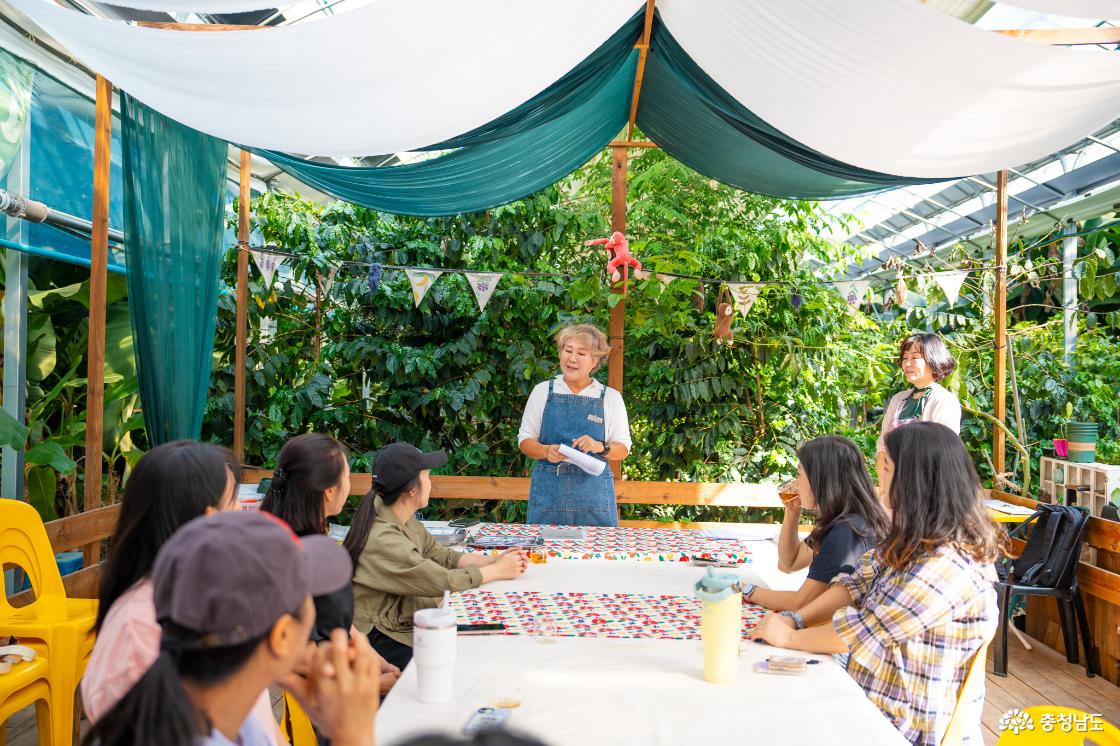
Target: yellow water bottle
721	624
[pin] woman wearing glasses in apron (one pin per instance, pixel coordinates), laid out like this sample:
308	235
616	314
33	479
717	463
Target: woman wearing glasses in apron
924	360
575	410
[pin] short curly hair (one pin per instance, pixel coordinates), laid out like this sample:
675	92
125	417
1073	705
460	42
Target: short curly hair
933	350
594	337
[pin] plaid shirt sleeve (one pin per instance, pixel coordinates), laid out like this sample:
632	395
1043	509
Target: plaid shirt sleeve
859	580
916	601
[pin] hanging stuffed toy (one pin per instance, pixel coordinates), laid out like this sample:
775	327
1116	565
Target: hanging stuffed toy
374	277
725	309
618	248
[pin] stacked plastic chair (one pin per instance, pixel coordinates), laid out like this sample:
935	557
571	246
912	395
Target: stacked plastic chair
296	725
58	628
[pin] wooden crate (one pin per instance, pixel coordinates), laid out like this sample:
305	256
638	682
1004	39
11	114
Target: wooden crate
1059	479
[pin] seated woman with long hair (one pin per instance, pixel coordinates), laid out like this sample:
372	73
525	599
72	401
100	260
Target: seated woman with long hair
832	479
171	484
920	606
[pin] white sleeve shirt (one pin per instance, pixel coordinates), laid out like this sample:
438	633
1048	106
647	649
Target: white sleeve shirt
614	411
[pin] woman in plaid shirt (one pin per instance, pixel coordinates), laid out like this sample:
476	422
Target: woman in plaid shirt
917	609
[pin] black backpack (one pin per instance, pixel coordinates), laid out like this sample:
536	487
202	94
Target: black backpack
1056	535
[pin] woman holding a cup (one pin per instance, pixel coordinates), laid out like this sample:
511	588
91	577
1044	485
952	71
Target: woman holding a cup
399	568
833	481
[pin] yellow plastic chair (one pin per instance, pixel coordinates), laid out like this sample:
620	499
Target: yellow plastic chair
60	628
965	712
297	726
27	683
1040	717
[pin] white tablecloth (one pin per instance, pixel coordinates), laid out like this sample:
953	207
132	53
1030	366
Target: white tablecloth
587	691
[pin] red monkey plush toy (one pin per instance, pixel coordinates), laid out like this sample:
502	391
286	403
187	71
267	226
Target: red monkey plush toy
620	247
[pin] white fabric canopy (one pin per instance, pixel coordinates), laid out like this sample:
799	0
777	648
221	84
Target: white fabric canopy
896	87
1096	9
393	76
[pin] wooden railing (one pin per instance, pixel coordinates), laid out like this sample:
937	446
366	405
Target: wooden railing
627	492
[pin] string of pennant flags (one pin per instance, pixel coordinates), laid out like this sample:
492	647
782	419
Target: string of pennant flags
483	284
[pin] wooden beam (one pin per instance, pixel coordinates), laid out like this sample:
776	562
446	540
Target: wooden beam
171	26
242	323
98	269
617	334
643	50
1066	36
1000	321
633	144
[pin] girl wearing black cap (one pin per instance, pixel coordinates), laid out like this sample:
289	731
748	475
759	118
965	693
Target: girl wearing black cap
398	566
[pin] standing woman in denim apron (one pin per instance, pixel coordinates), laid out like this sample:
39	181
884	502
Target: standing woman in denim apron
575	410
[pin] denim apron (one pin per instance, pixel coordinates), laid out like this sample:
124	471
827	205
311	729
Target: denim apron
564	494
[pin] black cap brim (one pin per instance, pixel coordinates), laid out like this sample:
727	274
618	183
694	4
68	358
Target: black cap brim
328	564
434	460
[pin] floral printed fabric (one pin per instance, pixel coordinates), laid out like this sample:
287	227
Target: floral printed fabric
636	544
616	615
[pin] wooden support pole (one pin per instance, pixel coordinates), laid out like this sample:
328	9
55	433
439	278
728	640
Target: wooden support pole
643	50
619	158
1000	320
98	270
239	357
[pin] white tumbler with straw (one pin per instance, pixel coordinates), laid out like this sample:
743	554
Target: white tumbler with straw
433	650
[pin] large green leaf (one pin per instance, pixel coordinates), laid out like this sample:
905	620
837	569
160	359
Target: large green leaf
49	453
42	347
12	433
42	484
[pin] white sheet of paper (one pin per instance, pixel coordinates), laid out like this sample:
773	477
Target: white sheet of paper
1009	508
589	464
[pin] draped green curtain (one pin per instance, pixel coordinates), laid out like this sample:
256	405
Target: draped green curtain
494	172
174	205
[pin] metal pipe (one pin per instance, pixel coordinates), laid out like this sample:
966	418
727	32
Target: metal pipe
23	208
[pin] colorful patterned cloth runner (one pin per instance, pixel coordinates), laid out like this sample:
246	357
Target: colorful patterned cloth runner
590	614
641	544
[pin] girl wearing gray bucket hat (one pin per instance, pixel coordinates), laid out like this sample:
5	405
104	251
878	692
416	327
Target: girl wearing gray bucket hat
233	594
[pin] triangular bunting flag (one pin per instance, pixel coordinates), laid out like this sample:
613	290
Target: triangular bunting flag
421	281
745	294
483	285
326	283
950	283
267	263
642	274
853	291
665	279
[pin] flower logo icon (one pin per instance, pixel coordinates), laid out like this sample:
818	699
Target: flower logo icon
1016	721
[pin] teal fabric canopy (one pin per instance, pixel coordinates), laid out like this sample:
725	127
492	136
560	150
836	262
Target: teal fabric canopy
694	120
174	200
574	89
494	172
